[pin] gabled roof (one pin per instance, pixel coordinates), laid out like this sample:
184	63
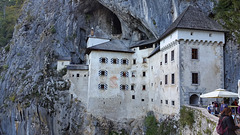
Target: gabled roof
143	43
113	45
77	67
64	58
193	18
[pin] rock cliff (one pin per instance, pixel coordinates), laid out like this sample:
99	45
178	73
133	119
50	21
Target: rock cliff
34	98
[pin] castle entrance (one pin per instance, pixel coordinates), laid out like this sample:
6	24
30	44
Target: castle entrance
194	99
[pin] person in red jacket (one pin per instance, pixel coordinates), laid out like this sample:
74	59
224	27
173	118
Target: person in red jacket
228	122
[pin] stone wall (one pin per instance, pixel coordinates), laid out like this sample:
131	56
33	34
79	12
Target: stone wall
205	123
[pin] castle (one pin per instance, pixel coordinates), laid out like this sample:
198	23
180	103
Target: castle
123	79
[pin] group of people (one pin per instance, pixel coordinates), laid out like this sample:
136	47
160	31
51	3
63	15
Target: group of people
215	108
225	113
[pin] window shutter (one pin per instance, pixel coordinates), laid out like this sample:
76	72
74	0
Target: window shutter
106	72
106	60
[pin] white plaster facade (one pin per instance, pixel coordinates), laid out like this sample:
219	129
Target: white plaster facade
184	64
62	64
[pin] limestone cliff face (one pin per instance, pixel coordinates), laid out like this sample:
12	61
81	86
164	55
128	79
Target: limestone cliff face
34	98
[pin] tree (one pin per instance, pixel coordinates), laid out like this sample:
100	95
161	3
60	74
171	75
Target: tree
228	15
9	11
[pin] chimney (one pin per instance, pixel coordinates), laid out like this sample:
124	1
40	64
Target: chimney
92	32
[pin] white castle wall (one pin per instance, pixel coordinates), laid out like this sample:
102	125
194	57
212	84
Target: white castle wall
209	66
118	104
62	64
79	84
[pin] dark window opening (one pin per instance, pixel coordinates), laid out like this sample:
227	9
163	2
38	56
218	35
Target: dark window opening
144	87
194	78
77	75
134	61
133	96
142	99
173	79
144	60
102	86
132	87
161	101
102	73
114	61
166	101
165	58
124	61
166	79
194	53
152	99
144	74
172	55
103	60
173	103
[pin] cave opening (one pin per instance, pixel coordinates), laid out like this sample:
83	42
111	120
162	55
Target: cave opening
115	25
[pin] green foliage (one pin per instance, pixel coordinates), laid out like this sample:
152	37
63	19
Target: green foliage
228	15
5	67
186	117
9	12
153	127
7	48
150	123
62	72
12	98
53	30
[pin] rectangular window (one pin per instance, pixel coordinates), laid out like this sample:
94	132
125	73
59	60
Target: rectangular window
166	79
194	53
142	99
173	103
144	73
124	61
102	86
133	74
133	96
114	61
124	74
103	60
160	63
161	102
165	58
134	61
143	87
173	79
102	73
166	101
78	75
152	100
132	87
194	78
123	87
172	55
144	60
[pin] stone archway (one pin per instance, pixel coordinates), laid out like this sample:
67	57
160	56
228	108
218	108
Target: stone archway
194	99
